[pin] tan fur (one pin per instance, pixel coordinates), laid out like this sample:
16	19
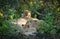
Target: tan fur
30	24
31	21
26	14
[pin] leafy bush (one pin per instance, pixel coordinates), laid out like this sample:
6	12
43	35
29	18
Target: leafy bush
8	29
46	28
50	11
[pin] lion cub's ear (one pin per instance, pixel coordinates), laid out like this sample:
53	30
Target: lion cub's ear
27	14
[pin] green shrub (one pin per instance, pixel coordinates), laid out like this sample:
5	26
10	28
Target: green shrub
8	28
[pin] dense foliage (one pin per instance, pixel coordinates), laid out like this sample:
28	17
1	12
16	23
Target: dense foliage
47	10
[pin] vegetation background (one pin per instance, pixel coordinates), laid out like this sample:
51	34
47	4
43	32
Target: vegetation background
47	10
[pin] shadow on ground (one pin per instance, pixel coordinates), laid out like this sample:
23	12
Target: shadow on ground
21	36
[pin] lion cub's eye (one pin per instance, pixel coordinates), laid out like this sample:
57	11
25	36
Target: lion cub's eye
22	24
28	26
